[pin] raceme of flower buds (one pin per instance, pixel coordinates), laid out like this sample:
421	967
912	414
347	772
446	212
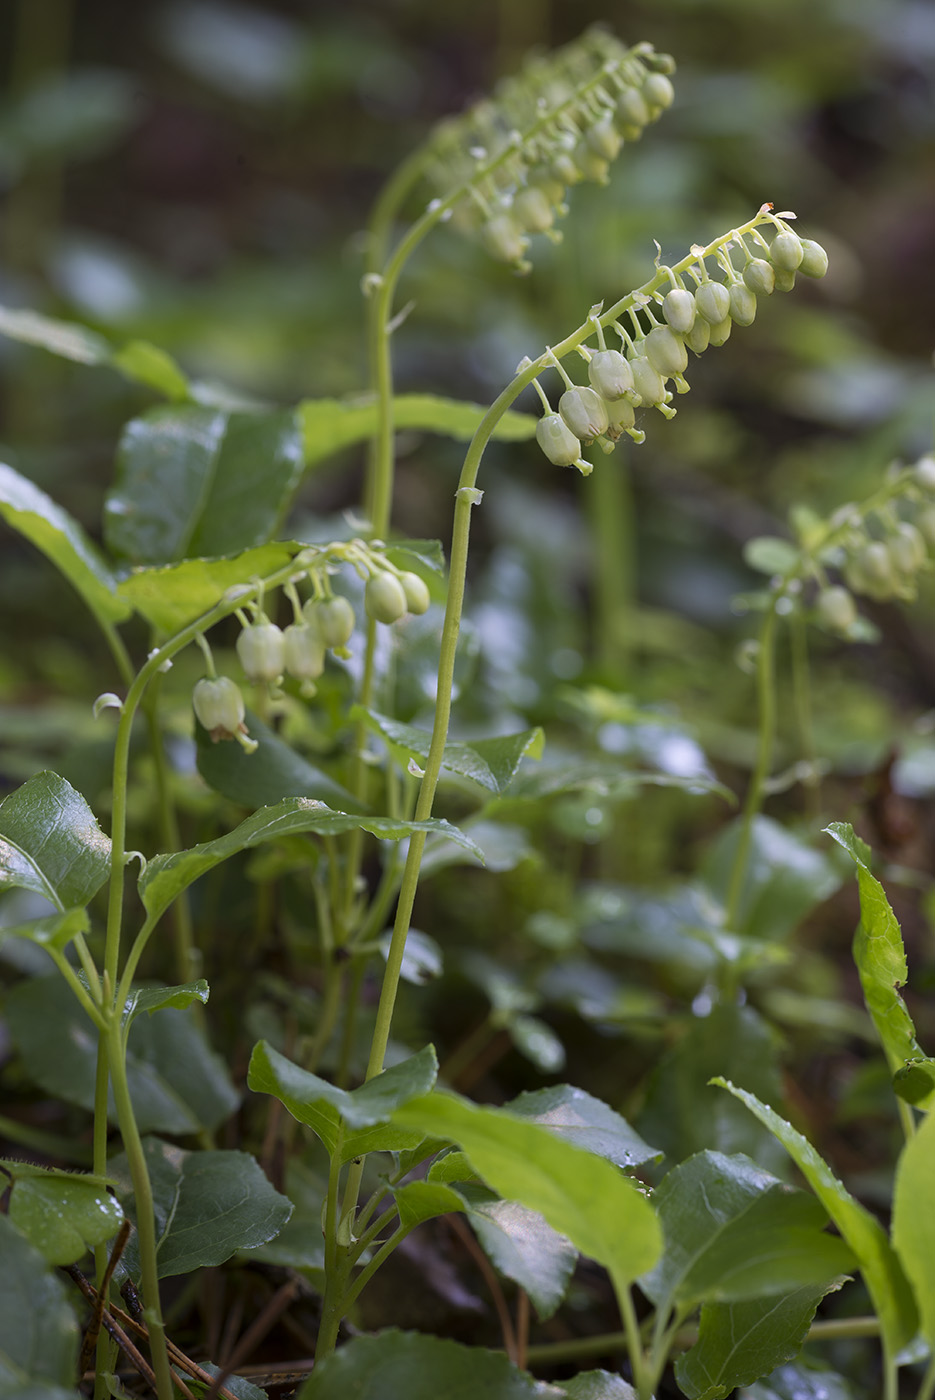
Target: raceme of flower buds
690	307
505	165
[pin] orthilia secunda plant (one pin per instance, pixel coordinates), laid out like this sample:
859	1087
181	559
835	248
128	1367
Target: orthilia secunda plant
502	171
687	307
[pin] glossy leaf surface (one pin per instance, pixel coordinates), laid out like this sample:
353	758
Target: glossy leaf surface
881	962
348	1115
734	1232
579	1118
51	843
914	1219
171	596
166	876
882	1271
207	1205
328	425
38	1329
413	1366
580	1195
491	763
177	1083
199	481
63	1214
740	1342
32	513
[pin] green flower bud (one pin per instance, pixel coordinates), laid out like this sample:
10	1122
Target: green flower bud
417	593
666	351
585	412
632	109
814	259
720	332
647	381
590	164
658	93
610	374
785	280
760	276
924	472
332	618
679	308
557	440
532	209
542	178
219	708
699	337
563	169
620	417
836	609
384	598
304	651
786	251
742	304
261	651
712	301
906	549
870	571
604	139
503	238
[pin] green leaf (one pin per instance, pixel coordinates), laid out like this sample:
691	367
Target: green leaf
597	1385
63	541
206	1205
734	1232
50	843
38	1330
150	365
739	1342
413	1366
300	1243
881	962
275	772
152	999
784	878
491	763
769	555
65	338
522	1246
536	1041
327	1110
178	1085
328	425
63	1214
197	481
889	1290
166	876
56	931
423	959
805	1379
577	1117
684	1115
580	1195
424	1200
171	596
914	1219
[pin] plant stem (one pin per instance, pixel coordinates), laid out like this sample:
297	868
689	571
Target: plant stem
143	1200
641	1377
802	702
187	956
766	703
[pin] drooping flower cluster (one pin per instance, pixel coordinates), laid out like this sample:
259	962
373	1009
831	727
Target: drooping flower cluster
682	309
881	550
323	622
562	119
